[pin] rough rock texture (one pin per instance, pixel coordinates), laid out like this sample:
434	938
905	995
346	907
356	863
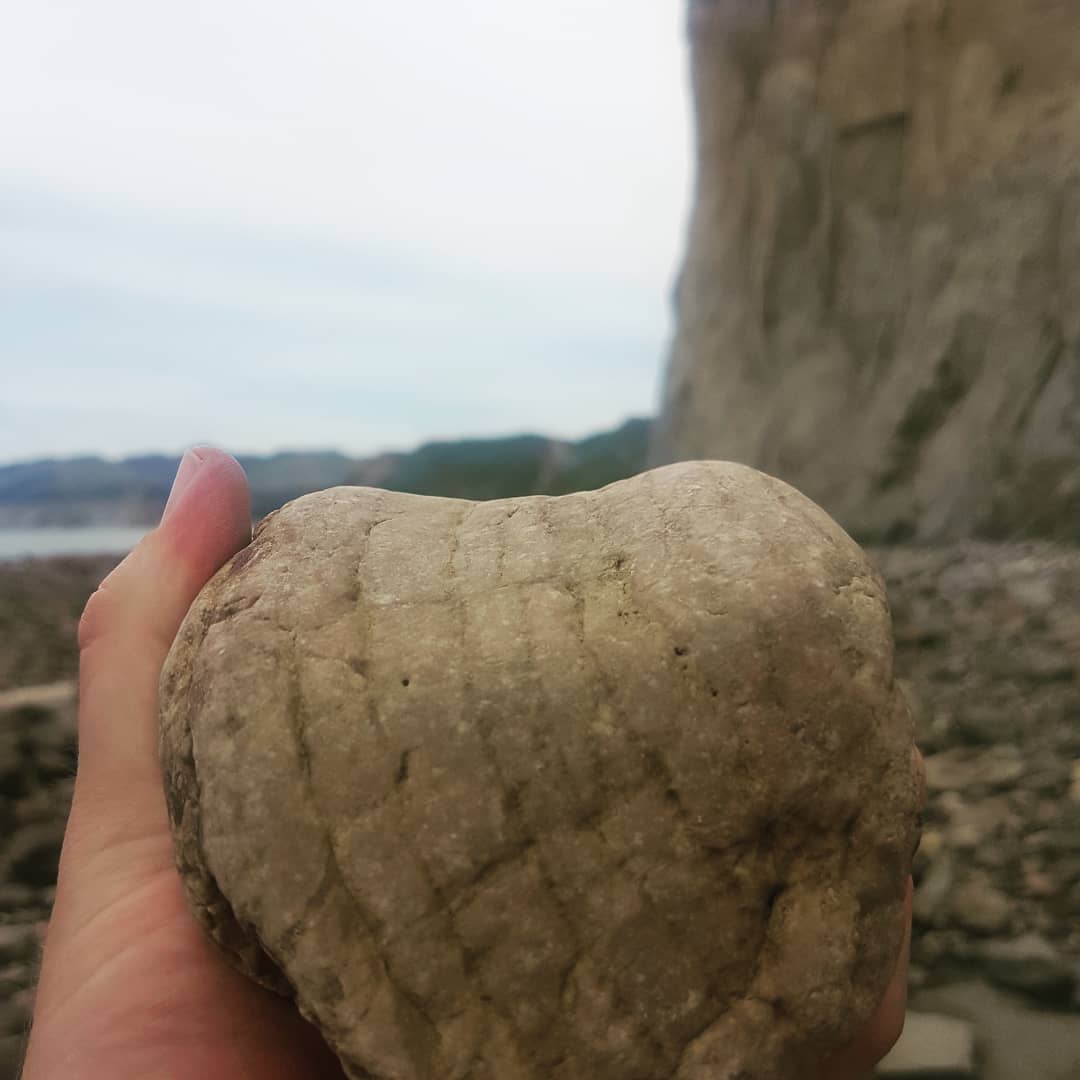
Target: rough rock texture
878	298
988	640
612	785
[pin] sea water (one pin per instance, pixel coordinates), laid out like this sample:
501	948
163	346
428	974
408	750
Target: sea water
82	540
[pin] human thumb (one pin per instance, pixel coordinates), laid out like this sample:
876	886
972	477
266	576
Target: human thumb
124	636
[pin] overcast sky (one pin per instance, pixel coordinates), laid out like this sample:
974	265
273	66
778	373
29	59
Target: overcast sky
341	224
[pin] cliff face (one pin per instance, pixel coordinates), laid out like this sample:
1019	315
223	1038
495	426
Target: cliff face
880	301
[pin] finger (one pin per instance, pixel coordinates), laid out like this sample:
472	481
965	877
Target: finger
125	633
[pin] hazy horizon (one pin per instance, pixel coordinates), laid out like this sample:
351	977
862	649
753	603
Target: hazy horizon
362	230
242	452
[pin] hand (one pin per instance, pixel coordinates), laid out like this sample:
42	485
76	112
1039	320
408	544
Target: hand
129	984
130	987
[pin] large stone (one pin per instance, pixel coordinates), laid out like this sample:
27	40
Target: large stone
876	302
609	785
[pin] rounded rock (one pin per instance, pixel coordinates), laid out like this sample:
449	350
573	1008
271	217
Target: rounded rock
617	783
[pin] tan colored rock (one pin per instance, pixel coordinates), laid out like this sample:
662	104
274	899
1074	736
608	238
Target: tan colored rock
610	785
877	302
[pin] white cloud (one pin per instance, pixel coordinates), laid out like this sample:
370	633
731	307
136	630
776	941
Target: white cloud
477	128
475	205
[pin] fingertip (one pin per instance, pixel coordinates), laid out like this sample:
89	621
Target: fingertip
207	520
211	519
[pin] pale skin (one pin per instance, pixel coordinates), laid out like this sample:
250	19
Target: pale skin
129	985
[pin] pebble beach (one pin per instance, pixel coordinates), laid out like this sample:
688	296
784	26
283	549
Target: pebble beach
988	650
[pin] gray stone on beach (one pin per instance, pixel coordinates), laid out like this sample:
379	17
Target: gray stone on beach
980	907
1031	965
960	768
33	855
18	943
932	1047
1014	1041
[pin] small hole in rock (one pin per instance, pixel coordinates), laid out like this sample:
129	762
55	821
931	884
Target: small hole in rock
405	681
681	650
512	801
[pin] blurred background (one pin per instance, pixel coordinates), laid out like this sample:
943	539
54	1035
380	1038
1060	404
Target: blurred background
475	251
353	232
